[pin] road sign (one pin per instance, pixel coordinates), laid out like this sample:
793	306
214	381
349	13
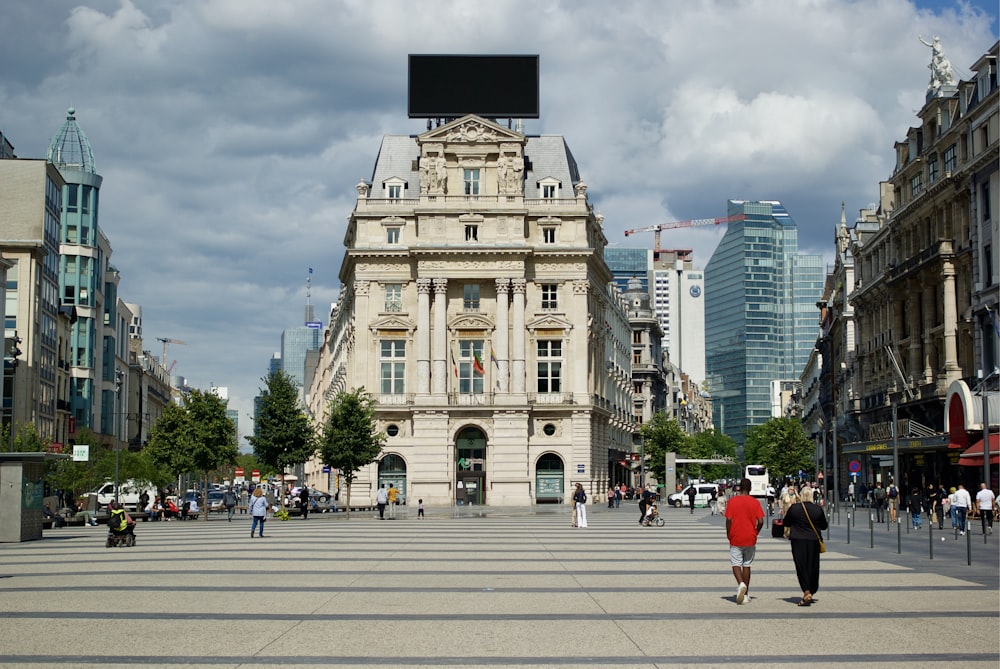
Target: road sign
854	466
255	476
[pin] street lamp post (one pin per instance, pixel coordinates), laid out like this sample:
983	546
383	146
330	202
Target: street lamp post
117	444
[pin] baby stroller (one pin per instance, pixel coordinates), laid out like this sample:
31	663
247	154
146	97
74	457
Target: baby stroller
652	517
121	528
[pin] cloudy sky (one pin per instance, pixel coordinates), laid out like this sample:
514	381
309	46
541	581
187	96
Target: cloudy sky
230	133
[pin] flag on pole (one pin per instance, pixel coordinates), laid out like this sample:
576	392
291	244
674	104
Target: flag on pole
477	364
993	320
453	365
493	357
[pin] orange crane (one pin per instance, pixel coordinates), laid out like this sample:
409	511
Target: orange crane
693	223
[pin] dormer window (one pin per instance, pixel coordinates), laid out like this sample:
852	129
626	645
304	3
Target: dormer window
394	188
549	188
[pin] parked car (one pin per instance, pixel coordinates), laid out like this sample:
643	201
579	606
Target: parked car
704	494
128	494
215	501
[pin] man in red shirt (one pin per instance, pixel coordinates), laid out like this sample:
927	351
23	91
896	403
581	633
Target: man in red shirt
744	518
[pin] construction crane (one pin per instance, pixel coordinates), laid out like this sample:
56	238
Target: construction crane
694	223
166	341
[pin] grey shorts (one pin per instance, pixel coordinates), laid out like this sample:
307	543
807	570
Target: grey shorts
742	556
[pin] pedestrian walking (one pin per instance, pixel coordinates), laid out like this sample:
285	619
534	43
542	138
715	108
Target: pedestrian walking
916	505
420	508
803	523
392	494
692	491
304	502
644	500
229	502
962	503
744	518
987	502
580	502
381	499
611	498
258	510
879	496
892	498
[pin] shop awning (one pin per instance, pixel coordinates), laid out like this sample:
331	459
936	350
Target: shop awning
973	456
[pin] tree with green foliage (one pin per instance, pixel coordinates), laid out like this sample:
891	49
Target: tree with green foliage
350	438
283	434
170	441
196	437
662	435
213	434
781	445
711	443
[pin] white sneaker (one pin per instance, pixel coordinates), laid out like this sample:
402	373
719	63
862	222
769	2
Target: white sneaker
741	593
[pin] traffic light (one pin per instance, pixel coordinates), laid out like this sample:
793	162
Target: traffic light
12	349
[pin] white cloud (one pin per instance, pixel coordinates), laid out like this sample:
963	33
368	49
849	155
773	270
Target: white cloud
231	133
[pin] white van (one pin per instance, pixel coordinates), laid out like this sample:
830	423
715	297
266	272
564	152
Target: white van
128	495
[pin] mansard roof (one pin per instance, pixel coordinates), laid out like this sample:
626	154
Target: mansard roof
547	156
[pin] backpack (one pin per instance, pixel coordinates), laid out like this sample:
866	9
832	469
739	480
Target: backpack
880	493
893	493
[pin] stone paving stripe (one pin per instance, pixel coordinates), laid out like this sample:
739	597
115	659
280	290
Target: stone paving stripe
911	659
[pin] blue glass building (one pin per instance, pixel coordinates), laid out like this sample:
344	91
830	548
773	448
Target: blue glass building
83	263
760	313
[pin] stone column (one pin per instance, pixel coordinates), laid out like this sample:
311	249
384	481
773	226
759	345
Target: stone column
360	361
578	337
423	336
517	380
927	298
440	345
951	367
502	334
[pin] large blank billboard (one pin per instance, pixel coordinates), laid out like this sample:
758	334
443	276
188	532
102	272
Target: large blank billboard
490	86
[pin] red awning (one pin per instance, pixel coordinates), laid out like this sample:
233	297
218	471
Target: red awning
973	456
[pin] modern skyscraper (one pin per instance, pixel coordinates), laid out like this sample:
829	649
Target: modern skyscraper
675	288
760	313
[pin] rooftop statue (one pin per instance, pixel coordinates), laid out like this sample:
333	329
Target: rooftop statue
942	73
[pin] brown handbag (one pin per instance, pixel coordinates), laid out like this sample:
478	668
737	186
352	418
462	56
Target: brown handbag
822	546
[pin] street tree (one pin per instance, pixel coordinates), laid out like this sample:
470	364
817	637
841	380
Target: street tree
782	446
710	444
171	441
213	434
350	438
283	434
662	435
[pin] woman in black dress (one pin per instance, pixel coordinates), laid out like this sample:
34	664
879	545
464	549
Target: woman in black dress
805	542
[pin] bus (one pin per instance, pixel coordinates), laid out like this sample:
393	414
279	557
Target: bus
759	479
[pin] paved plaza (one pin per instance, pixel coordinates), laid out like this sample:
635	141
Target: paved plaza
501	589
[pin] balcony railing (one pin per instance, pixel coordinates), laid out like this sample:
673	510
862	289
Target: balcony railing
550	398
470	399
402	399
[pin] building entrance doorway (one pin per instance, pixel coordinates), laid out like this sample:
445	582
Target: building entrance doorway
392	470
470	467
549	486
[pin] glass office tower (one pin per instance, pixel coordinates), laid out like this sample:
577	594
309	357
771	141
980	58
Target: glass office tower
760	313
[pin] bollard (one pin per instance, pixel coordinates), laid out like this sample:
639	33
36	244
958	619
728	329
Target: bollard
871	530
848	527
899	537
854	509
930	539
909	520
968	543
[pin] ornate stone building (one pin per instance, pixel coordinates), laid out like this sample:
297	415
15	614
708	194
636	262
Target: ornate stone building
924	286
478	310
